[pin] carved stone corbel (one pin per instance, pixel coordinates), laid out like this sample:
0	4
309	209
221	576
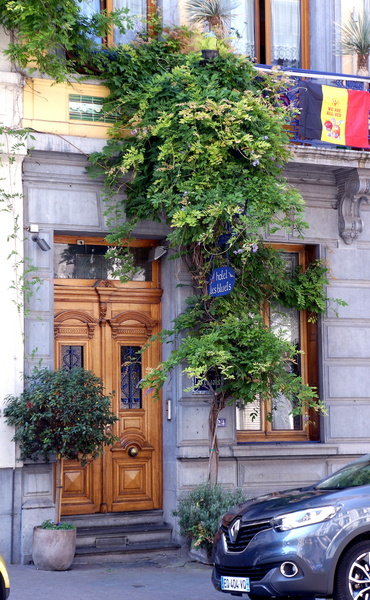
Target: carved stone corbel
353	189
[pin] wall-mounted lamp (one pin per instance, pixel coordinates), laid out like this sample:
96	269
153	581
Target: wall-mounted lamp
157	252
40	242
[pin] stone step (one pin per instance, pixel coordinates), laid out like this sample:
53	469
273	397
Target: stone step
145	517
123	535
160	553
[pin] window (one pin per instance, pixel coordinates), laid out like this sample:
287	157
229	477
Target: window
130	377
72	356
138	8
273	32
252	421
89	108
85	259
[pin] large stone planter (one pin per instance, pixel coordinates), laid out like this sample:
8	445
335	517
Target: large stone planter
53	549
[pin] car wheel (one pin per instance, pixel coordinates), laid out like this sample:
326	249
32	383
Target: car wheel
2	589
353	574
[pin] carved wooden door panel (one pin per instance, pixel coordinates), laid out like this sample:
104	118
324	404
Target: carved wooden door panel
102	327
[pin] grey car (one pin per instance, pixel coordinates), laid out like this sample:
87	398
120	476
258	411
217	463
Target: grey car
312	542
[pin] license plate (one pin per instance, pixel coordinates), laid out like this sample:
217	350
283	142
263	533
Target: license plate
235	584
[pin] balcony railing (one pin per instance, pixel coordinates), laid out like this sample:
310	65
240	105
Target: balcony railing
353	82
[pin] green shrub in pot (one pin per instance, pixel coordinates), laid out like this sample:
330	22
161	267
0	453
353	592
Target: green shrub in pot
200	510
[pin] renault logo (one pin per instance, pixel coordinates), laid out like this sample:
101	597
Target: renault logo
234	530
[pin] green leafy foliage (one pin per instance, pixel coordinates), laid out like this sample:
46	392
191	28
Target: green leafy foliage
49	525
202	145
45	31
61	412
199	512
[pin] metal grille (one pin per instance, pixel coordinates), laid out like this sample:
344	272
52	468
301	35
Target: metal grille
254	573
245	535
72	356
130	377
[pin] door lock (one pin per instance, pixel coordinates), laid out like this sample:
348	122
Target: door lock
133	451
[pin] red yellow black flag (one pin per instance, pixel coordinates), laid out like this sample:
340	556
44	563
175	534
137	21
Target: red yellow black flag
334	115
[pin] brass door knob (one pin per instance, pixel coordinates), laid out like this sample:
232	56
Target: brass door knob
133	451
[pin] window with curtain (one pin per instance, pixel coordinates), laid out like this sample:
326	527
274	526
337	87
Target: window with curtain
242	28
138	8
285	39
262	421
273	32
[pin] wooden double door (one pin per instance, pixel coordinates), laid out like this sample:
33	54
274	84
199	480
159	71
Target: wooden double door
101	326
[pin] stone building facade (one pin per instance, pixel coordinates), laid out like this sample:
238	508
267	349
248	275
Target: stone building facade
64	206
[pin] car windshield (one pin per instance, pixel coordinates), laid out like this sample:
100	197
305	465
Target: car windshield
354	475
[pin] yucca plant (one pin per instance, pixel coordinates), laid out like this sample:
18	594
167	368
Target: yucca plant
355	39
215	14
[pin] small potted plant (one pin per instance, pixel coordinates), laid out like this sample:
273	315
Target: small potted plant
199	513
65	413
213	14
209	46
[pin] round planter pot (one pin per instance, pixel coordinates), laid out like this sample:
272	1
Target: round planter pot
209	54
53	549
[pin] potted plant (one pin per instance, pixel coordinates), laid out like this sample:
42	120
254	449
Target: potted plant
209	46
199	513
355	39
65	413
214	14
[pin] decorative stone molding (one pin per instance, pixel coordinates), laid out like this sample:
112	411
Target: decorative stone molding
353	189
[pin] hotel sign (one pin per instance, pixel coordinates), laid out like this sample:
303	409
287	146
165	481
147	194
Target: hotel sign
221	281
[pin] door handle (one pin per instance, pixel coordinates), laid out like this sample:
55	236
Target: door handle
133	451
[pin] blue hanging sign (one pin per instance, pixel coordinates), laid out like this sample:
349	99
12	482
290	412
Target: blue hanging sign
221	281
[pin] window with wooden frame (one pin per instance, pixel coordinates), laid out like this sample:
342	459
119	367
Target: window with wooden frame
274	32
260	421
84	259
142	9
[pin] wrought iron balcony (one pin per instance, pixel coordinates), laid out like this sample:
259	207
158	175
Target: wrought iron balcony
353	82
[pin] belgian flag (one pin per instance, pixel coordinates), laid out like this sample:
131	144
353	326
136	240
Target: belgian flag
335	115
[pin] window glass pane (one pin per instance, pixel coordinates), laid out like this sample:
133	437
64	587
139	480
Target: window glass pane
285	33
248	417
287	322
88	261
90	8
138	9
242	28
72	356
89	108
130	377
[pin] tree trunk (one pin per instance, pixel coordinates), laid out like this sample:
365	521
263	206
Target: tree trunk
215	25
363	64
217	405
59	487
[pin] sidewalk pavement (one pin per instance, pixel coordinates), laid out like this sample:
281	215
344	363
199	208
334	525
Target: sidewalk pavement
183	580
